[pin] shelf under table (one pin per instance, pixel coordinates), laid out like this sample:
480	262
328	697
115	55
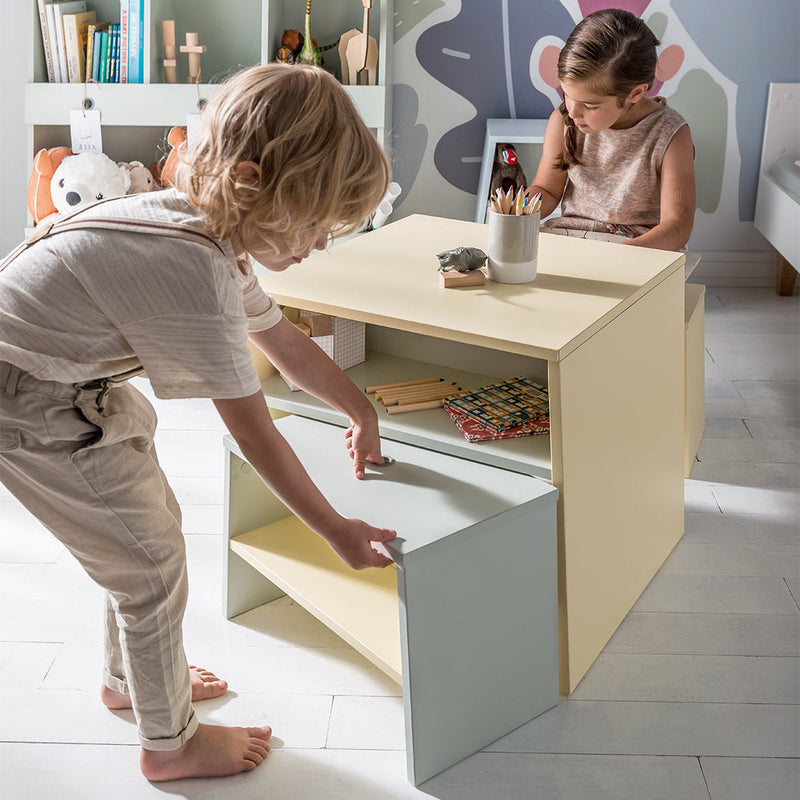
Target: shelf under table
359	606
432	429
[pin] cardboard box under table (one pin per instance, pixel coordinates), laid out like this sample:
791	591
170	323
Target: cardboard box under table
467	621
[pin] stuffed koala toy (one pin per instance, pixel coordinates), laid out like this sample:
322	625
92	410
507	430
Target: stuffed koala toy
86	178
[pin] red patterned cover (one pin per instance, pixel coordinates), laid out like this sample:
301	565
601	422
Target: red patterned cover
474	431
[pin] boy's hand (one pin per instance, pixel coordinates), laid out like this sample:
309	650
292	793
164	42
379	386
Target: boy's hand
363	444
352	542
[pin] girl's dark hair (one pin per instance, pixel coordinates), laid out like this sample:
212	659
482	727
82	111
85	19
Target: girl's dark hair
612	51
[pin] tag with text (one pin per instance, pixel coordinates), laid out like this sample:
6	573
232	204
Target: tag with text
85	133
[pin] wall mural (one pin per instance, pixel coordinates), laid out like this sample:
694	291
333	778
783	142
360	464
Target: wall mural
459	62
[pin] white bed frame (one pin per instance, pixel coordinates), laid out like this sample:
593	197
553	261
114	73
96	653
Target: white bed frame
777	215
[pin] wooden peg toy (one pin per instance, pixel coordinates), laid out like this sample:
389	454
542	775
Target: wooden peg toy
319	324
194	49
454	280
170	53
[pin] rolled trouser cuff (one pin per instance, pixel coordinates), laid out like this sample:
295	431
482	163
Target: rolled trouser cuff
117	684
174	742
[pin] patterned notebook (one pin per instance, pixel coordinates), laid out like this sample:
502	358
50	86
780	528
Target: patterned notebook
474	431
503	405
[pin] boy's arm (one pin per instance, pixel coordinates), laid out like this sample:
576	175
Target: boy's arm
309	367
249	422
550	180
677	196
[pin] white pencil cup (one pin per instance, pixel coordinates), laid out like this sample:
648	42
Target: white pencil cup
513	247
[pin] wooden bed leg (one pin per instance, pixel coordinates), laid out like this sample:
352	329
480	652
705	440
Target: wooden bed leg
785	278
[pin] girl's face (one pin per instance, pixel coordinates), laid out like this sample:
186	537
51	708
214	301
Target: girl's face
261	250
592	112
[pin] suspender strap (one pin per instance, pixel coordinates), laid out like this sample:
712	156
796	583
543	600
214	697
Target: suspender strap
130	225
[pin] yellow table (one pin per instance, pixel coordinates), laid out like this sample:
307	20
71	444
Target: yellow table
602	324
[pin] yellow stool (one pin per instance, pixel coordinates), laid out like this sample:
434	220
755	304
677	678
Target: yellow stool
694	371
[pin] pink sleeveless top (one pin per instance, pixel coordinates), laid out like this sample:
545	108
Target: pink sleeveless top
619	182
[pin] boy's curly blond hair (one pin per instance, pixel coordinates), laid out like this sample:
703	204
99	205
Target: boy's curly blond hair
320	165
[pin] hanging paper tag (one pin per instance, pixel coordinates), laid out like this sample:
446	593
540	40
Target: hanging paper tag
85	133
192	129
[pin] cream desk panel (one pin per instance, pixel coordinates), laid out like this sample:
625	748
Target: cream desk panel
605	324
389	277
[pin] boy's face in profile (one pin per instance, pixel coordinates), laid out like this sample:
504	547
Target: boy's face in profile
262	250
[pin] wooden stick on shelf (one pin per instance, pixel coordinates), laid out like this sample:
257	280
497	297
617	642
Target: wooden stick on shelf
414	407
170	54
380	387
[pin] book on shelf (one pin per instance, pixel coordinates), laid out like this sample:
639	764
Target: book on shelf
59	9
504	405
113	54
474	431
53	39
94	36
76	28
46	45
97	59
105	44
124	36
135	41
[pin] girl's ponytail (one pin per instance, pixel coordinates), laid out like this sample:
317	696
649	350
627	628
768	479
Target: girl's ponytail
569	152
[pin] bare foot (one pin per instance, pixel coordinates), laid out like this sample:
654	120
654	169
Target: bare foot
205	685
213	751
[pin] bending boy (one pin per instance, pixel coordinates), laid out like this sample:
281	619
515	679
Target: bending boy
162	281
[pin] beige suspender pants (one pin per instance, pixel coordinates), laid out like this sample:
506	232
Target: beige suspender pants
80	457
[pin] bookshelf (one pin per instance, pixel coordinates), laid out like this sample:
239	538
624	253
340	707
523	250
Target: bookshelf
135	117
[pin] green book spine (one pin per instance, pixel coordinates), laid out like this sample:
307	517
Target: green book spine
103	62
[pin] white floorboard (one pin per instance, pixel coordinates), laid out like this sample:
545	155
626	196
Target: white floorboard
696	697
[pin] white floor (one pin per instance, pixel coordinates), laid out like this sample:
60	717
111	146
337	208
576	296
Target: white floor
696	697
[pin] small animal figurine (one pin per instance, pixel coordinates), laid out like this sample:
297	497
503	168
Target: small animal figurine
461	259
310	52
506	170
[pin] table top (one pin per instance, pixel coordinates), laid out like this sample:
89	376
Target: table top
389	277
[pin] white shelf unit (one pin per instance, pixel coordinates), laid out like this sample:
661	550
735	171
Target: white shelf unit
136	117
498	131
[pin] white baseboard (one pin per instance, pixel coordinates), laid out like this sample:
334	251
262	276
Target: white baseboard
721	268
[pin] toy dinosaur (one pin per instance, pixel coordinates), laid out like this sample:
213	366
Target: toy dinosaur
310	52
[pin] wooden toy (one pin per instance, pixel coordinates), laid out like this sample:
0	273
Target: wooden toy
170	55
358	52
455	280
194	49
319	324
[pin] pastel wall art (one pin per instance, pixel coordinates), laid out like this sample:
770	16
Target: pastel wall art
459	62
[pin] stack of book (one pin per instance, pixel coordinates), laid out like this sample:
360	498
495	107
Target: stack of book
516	407
78	48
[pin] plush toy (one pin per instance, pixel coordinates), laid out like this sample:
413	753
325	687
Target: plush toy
176	139
45	163
142	180
85	178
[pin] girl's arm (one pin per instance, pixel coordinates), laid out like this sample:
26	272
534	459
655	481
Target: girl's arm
677	196
249	422
309	367
550	180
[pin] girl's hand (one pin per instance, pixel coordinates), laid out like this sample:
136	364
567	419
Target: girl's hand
364	444
352	542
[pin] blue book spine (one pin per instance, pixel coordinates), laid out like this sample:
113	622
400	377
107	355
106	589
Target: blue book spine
141	41
112	54
117	33
98	38
135	43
